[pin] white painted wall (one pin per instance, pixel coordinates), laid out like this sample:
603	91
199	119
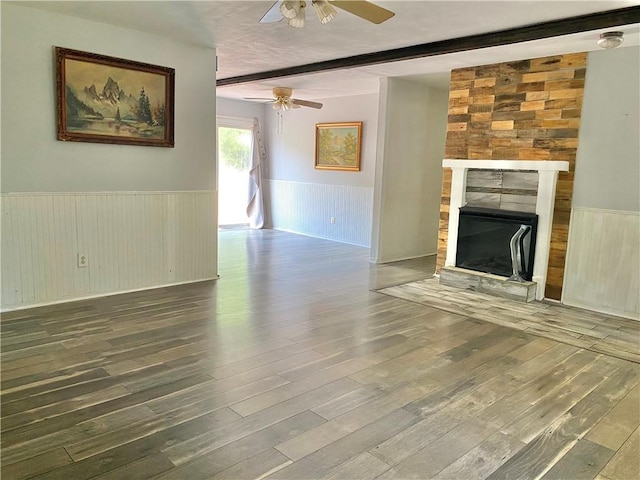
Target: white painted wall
237	108
302	199
38	171
608	159
34	161
408	183
601	271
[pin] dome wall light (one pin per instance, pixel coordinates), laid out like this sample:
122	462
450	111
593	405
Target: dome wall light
611	40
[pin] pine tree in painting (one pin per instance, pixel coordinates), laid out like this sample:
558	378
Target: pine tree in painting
144	109
159	114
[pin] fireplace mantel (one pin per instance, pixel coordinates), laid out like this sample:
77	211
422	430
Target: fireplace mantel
538	165
547	179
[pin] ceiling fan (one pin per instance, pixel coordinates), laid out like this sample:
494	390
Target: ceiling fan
294	11
282	100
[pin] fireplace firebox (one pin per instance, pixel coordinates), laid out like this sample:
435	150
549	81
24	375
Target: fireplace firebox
494	241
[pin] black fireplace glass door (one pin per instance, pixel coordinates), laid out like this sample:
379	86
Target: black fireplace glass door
483	240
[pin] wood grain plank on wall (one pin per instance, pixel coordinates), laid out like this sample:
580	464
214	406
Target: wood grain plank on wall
124	236
602	262
443	229
530	110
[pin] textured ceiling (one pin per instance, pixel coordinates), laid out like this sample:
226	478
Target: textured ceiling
243	45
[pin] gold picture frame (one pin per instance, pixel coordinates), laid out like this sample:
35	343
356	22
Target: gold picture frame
338	146
103	99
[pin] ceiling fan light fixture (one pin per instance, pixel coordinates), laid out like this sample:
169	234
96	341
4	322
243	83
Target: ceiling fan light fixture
282	104
611	40
324	10
298	20
290	8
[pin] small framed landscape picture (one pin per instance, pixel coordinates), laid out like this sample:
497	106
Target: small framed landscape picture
338	146
104	99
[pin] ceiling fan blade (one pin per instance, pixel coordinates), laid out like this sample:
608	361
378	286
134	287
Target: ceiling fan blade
253	99
306	103
363	9
273	14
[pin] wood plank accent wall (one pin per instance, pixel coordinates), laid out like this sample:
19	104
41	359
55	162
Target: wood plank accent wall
524	110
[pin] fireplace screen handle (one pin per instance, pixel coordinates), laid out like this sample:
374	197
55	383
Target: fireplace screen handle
515	245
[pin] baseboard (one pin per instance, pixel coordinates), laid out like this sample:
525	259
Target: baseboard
400	259
604	310
319	236
101	295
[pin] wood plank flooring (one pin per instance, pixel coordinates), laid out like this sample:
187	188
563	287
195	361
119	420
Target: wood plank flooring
292	366
619	337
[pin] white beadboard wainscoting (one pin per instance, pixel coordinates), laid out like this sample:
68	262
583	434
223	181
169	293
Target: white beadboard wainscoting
603	257
132	241
307	208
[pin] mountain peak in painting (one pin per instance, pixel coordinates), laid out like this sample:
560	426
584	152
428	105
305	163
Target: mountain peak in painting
111	91
109	100
91	92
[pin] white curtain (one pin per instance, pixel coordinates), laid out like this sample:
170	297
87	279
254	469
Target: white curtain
255	204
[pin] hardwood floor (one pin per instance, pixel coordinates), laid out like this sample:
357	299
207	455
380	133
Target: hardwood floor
292	366
615	336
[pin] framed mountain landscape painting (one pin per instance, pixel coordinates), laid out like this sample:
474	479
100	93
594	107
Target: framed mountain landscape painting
104	99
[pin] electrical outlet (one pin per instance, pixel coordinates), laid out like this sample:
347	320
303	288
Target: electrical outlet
333	220
83	261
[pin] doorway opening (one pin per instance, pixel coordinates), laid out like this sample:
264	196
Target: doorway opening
234	154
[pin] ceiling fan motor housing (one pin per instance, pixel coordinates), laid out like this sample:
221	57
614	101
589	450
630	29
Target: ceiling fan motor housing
282	92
